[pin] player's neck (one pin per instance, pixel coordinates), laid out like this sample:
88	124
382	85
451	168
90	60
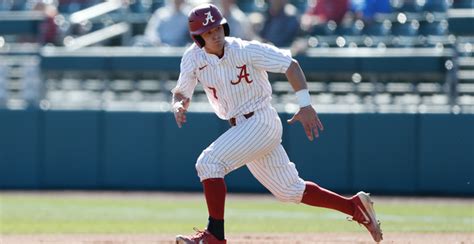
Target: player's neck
218	52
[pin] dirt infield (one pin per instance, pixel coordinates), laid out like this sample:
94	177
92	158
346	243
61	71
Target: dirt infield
326	238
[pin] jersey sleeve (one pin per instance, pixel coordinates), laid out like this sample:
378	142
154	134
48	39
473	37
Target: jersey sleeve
268	57
187	80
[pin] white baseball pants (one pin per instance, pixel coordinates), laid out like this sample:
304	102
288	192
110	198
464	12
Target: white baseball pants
254	142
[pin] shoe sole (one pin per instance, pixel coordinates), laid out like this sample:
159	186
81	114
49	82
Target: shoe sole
368	205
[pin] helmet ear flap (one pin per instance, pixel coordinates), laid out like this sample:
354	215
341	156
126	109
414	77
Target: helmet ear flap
199	40
226	29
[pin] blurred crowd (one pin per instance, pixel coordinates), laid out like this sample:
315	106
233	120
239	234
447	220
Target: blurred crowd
294	24
284	22
281	22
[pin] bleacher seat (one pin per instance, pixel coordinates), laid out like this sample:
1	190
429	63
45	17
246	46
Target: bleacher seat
399	88
429	88
341	87
70	84
148	86
405	29
383	98
463	4
466	88
364	88
378	28
121	86
325	29
323	98
93	85
436	6
407	99
316	87
351	29
409	6
435	28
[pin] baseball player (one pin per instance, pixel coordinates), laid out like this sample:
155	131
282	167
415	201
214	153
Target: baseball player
233	73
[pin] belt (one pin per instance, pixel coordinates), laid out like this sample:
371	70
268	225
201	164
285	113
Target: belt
232	121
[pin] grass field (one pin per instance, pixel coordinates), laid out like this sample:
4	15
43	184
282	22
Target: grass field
52	213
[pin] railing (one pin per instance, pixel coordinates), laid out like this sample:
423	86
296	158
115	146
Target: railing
20	22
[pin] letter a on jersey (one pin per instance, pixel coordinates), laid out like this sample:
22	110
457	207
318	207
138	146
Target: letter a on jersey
243	75
209	18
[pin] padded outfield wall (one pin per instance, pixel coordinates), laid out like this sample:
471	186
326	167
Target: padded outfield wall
429	154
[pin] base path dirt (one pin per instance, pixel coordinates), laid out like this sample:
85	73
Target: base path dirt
320	238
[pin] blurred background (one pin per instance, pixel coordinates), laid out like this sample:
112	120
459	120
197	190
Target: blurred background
85	90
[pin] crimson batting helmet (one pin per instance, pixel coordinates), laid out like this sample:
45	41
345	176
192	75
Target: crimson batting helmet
203	18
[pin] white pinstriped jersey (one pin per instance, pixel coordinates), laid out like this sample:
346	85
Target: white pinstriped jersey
237	83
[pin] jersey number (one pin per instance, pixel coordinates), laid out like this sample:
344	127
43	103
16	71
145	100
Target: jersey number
214	91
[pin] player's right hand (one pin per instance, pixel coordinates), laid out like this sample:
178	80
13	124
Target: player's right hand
179	109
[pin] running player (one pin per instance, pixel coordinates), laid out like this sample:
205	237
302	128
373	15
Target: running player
233	73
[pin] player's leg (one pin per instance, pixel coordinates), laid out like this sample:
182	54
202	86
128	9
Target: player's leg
251	139
248	140
280	177
315	195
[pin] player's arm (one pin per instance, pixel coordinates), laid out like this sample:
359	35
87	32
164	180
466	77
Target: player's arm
306	114
180	105
184	89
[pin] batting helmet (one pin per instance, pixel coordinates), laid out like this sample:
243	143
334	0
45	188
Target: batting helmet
203	18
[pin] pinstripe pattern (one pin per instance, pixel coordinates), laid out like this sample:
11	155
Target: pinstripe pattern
278	175
234	91
233	100
251	139
256	143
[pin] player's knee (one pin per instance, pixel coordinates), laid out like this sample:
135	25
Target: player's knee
286	197
209	167
201	164
290	193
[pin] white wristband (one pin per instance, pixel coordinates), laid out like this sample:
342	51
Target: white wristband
303	97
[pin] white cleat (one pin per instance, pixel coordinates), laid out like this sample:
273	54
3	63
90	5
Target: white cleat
365	215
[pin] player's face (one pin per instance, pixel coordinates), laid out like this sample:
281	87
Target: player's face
214	39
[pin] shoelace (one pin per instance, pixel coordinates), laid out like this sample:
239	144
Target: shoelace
198	235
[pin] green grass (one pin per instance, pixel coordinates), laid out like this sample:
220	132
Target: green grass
66	213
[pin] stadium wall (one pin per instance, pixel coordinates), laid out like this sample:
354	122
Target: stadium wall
422	154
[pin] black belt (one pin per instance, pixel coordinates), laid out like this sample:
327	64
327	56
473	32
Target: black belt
232	120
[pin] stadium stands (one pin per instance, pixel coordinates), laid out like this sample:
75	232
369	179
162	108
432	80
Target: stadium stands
418	57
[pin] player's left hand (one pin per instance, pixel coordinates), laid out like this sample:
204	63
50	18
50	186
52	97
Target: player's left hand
310	121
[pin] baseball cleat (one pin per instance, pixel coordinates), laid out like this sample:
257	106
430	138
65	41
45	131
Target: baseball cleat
201	237
364	214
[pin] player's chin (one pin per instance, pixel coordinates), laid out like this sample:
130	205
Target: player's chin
218	43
